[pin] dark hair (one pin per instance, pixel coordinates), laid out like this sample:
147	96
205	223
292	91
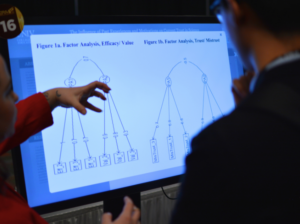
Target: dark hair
279	17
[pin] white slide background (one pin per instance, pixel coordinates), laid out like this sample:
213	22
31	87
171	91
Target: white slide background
137	78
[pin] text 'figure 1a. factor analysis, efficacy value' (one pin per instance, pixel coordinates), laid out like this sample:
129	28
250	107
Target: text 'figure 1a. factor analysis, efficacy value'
105	158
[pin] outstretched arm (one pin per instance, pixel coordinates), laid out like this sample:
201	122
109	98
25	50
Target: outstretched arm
34	113
76	97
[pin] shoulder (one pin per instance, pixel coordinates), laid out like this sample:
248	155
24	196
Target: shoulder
243	133
224	129
226	135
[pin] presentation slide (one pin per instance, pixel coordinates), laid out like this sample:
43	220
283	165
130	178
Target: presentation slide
166	88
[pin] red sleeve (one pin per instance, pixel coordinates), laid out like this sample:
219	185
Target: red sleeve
14	209
34	115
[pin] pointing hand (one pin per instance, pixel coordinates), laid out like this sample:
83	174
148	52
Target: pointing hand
241	87
129	215
76	97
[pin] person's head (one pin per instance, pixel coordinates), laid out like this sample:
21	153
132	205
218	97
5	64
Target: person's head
8	98
264	28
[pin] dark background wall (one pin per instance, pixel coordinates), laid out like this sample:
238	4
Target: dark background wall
111	7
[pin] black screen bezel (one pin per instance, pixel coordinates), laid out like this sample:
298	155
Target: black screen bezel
16	152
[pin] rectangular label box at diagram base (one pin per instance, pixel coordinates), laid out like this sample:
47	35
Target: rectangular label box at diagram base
186	142
90	162
132	155
154	151
105	160
119	157
75	165
171	148
60	168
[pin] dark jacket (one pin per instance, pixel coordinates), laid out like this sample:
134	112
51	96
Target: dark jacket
245	168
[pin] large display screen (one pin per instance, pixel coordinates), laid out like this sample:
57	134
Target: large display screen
168	81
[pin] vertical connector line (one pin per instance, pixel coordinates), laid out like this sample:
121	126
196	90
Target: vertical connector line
74	68
178	110
62	140
104	124
117	111
160	111
215	99
162	104
213	118
202	124
72	122
174	67
87	148
169	112
97	66
112	123
120	119
197	67
73	133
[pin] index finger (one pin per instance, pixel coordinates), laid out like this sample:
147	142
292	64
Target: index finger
99	85
128	208
240	87
236	96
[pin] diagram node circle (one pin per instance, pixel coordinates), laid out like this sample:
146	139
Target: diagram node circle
70	82
204	78
105	79
168	81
